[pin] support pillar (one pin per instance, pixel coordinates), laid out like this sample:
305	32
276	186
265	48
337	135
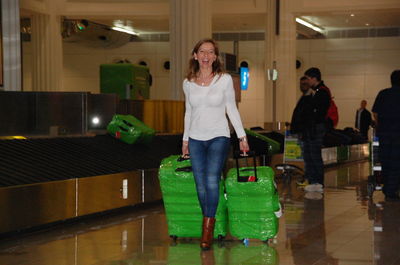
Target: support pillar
47	53
280	47
10	47
190	21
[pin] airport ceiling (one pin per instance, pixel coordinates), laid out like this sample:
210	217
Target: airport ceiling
256	22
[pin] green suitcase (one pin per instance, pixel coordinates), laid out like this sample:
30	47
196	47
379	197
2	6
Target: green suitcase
181	204
253	202
273	146
130	130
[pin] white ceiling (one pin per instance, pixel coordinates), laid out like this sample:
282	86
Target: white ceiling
231	23
256	22
360	19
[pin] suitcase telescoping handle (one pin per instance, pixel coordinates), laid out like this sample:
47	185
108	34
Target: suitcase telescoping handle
183	158
183	169
238	155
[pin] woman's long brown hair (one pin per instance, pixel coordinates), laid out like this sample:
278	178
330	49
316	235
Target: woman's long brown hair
194	67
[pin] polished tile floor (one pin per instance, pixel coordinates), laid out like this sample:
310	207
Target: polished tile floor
341	227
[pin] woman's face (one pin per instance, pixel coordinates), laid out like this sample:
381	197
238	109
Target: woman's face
206	55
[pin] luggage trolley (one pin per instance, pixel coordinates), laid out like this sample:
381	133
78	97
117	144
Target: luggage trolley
292	152
375	179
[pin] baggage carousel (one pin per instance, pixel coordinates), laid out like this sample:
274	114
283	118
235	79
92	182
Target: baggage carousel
46	180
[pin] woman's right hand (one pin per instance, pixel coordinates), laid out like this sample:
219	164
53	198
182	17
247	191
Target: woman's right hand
185	148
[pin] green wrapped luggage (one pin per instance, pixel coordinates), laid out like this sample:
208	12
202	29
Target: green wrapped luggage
130	130
273	146
253	202
184	216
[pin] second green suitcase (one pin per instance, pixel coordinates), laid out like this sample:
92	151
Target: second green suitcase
253	204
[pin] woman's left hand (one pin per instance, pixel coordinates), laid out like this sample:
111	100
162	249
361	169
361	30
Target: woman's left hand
244	145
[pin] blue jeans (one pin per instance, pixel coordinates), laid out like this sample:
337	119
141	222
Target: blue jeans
208	159
311	148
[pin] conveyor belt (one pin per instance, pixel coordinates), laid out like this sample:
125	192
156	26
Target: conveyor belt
42	160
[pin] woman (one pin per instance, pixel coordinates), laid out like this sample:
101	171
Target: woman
209	96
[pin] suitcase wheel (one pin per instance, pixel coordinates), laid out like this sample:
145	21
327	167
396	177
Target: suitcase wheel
220	237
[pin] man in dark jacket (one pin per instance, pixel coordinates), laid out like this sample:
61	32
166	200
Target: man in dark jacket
386	112
303	110
301	117
313	133
363	119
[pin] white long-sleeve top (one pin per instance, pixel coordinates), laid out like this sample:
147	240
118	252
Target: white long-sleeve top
206	109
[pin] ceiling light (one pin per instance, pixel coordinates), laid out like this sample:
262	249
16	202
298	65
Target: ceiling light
81	24
309	25
366	24
129	31
352	15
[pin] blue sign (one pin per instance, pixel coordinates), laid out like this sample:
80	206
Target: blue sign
244	78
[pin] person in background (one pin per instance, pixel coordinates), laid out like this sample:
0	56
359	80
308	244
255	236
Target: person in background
302	119
209	96
314	132
363	119
304	85
386	111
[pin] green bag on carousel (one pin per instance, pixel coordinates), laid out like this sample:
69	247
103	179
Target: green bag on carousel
273	146
130	130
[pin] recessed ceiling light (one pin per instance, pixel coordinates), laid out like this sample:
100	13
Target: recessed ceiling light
366	24
352	15
308	24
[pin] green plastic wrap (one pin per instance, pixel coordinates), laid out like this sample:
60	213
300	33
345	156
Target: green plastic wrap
130	130
191	254
181	204
253	207
273	146
115	78
253	254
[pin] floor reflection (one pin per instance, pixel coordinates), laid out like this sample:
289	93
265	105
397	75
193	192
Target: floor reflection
341	226
232	252
308	245
386	217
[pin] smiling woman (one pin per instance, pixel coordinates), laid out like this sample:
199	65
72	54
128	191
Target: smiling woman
209	96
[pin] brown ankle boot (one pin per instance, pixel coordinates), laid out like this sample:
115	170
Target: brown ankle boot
208	233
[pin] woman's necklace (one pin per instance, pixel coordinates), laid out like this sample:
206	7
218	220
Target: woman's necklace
204	79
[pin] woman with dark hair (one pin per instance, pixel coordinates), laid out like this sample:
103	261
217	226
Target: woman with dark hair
209	96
